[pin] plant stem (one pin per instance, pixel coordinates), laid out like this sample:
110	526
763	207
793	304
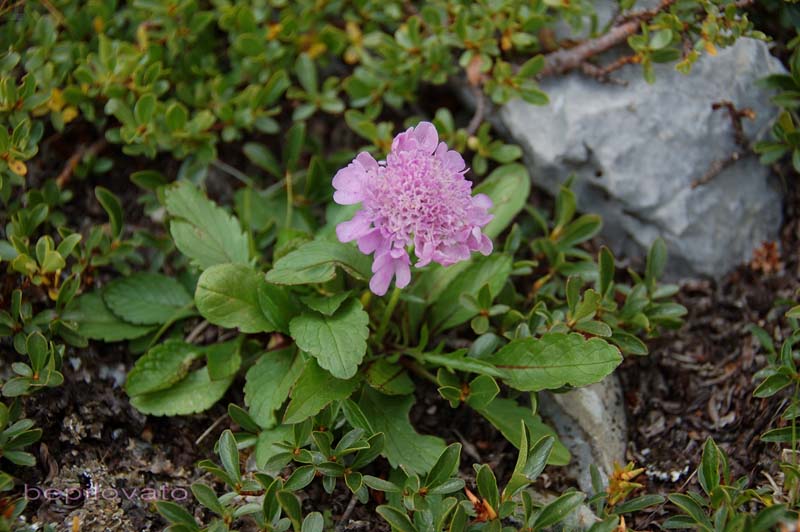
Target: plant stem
289	199
415	367
387	315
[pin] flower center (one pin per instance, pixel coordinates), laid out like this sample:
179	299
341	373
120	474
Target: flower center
415	194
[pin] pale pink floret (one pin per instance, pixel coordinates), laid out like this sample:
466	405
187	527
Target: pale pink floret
418	197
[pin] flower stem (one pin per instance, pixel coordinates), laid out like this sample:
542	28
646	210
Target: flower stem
387	314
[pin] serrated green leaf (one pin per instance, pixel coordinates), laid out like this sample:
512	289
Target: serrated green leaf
195	393
314	390
316	261
161	367
327	304
338	342
404	445
203	231
97	322
147	298
555	360
268	383
228	295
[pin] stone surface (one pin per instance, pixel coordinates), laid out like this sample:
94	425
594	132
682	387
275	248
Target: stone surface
637	149
591	422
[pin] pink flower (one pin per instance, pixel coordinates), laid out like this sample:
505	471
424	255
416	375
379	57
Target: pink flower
418	197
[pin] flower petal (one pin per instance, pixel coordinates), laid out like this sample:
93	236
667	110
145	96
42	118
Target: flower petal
426	136
403	272
351	180
483	201
370	241
379	283
353	229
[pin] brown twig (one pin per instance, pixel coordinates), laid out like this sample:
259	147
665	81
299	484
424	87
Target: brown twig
743	145
75	159
603	73
214	425
348	511
562	61
480	109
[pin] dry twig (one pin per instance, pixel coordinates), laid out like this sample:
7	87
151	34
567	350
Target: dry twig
565	60
743	145
75	159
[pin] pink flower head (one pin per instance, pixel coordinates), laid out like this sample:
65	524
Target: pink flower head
417	196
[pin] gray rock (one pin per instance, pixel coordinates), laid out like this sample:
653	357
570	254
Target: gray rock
591	422
637	149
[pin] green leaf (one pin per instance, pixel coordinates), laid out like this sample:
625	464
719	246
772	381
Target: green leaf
195	393
557	510
228	295
161	367
555	360
396	518
388	378
628	343
260	156
223	359
505	415
266	446
112	207
638	503
144	108
229	455
314	390
445	467
769	518
306	73
95	321
772	385
176	514
327	304
579	231
708	473
656	262
606	265
492	270
207	498
338	342
291	507
313	523
293	145
176	116
692	509
389	414
147	298
316	261
487	486
781	435
268	383
202	231
508	186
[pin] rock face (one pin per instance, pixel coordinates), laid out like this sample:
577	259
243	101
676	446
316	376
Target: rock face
637	149
591	422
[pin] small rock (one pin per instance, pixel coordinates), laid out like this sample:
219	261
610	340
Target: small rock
637	149
591	422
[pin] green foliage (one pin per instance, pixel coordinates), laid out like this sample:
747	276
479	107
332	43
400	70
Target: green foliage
785	140
210	279
724	503
436	501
